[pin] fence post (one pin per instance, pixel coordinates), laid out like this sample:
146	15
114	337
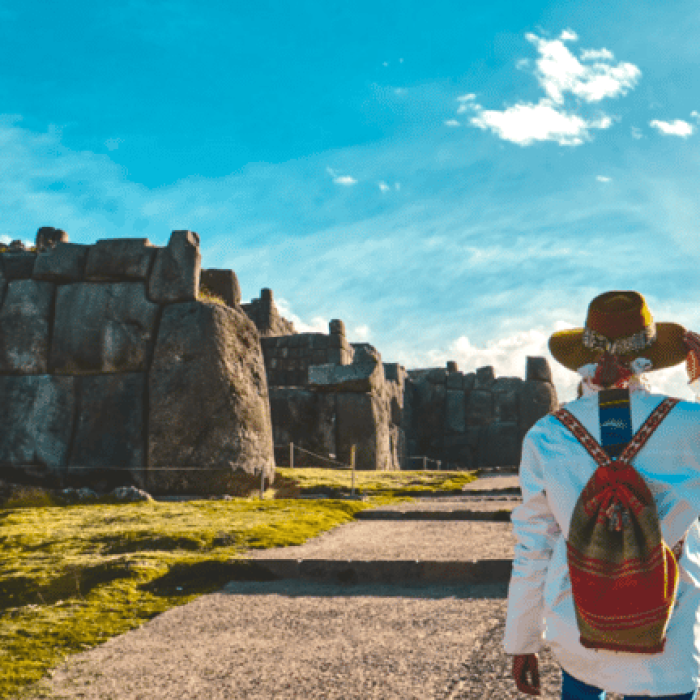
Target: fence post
262	482
424	458
291	455
352	464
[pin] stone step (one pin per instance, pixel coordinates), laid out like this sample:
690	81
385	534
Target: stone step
389	571
473	506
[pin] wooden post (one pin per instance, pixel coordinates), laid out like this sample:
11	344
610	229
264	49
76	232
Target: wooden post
262	482
291	455
424	458
352	464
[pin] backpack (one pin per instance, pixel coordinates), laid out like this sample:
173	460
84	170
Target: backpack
624	577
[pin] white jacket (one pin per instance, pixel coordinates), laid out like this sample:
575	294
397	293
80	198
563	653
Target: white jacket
554	469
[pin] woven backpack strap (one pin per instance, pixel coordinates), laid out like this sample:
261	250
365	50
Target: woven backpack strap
583	436
645	432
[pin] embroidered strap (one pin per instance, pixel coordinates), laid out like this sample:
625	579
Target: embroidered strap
583	436
650	425
637	442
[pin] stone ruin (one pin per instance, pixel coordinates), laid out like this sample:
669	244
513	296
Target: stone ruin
114	371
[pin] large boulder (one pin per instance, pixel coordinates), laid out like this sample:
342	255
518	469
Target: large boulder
102	328
222	283
24	327
364	377
64	262
500	445
455	412
109	434
116	258
48	237
208	401
506	392
537	399
362	421
18	264
479	407
537	369
36	420
307	419
175	275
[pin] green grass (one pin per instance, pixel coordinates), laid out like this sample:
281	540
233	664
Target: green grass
71	577
338	481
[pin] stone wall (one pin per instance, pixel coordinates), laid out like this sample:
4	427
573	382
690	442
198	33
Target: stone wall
111	369
475	419
263	312
327	395
288	357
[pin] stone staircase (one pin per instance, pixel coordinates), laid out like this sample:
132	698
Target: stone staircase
437	540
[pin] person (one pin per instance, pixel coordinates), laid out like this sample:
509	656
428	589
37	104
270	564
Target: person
618	345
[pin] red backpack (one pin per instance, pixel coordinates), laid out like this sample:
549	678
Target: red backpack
624	577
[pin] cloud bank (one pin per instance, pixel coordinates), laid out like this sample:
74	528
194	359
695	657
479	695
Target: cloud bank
569	85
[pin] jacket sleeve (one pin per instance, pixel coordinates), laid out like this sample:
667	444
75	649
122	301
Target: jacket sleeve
536	531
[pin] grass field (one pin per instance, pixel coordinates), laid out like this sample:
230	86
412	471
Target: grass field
71	577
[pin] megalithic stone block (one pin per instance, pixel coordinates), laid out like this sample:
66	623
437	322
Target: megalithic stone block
64	262
102	328
537	399
176	272
19	264
537	369
24	327
223	283
36	420
110	423
47	237
208	399
117	258
343	378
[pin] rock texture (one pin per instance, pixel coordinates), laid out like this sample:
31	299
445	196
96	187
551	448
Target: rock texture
263	312
112	373
475	419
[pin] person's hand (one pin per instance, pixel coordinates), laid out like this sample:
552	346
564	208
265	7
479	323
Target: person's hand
524	665
692	360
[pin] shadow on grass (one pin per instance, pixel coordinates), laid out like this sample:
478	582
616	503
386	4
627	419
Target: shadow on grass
205	576
22	590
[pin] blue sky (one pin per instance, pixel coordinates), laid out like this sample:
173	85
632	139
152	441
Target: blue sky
455	180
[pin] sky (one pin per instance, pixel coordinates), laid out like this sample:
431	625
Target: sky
454	180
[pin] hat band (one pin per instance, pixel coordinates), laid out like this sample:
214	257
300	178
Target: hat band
621	346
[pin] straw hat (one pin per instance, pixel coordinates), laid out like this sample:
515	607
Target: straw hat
621	323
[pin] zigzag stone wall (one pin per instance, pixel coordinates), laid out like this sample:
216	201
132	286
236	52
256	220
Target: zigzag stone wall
110	368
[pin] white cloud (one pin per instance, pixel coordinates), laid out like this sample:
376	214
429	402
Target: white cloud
345	180
677	127
397	186
695	115
592	54
341	179
361	333
525	123
317	325
452	122
636	132
400	91
559	71
563	78
602	178
383	186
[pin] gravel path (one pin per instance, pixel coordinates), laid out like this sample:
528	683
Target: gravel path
298	639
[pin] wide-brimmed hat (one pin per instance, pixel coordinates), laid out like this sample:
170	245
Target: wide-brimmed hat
621	323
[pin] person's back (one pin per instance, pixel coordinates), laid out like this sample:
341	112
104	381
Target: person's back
555	469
